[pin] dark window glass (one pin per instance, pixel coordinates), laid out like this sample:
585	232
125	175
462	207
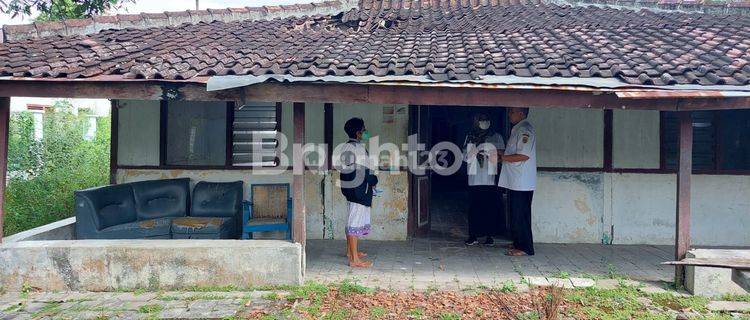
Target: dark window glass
196	133
734	139
704	140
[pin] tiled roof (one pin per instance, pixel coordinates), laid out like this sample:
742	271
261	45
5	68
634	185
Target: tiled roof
443	40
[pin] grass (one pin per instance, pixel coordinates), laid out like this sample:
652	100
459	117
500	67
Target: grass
508	287
348	287
416	313
668	300
736	297
49	308
271	296
563	275
15	308
151	308
377	312
449	316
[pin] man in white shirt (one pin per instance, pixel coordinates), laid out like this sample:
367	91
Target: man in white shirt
518	175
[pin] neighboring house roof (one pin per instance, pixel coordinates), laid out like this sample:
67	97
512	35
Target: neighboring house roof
455	40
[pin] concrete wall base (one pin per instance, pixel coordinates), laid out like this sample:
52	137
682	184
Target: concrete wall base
713	282
109	265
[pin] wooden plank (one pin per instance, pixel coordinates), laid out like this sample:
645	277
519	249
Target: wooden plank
467	95
328	133
163	124
270	201
608	139
685	167
432	95
4	123
145	90
298	182
731	263
113	127
228	159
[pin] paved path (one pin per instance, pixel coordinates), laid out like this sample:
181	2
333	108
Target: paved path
128	305
449	264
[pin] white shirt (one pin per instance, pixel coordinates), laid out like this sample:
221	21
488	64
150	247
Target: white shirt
483	175
520	176
353	152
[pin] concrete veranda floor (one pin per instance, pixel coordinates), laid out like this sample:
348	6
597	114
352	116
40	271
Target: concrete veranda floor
448	264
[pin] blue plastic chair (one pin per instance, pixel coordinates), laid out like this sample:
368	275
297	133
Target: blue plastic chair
269	209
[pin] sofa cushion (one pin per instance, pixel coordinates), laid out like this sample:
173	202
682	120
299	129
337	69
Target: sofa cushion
103	207
154	228
218	199
204	225
162	198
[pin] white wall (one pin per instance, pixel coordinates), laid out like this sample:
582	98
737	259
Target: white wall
639	208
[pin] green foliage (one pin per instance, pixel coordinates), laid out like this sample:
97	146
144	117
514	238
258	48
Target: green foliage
508	287
377	312
54	10
348	287
449	316
151	308
44	174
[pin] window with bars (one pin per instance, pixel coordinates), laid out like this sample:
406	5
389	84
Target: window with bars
255	130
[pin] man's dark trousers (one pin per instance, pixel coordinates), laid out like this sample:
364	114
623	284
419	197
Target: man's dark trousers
520	220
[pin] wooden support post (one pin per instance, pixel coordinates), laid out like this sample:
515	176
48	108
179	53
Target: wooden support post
4	123
685	168
113	126
298	182
328	134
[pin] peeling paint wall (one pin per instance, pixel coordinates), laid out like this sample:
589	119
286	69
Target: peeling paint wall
569	207
639	208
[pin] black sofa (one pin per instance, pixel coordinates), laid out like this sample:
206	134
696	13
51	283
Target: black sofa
160	209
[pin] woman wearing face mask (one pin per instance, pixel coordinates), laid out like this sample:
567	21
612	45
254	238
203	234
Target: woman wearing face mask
485	201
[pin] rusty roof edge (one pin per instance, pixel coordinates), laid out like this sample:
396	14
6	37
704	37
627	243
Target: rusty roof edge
73	27
217	83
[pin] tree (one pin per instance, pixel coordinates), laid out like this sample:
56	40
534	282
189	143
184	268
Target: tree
43	175
53	10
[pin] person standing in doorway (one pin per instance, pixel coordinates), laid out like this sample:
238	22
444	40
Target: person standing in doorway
518	175
357	185
486	217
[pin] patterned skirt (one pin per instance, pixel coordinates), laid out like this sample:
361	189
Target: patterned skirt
358	224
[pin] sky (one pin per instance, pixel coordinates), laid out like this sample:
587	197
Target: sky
173	5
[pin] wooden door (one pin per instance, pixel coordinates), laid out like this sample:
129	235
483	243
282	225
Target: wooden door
419	185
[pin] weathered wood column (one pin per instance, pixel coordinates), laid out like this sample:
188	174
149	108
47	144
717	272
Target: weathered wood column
113	126
298	182
4	123
685	168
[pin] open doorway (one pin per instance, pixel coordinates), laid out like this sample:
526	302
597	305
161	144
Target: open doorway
447	195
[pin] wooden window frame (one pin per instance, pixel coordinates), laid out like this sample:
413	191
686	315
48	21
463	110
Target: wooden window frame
163	123
717	170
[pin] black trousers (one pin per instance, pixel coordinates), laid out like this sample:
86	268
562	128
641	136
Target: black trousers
520	220
486	211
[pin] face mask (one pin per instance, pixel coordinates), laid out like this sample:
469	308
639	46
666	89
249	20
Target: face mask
365	135
484	125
